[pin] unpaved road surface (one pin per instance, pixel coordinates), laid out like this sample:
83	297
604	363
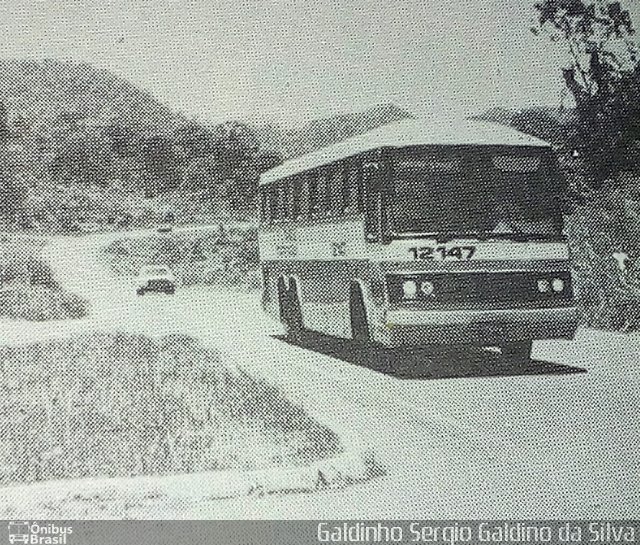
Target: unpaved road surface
459	436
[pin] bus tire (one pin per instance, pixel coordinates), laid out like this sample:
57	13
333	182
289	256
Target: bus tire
282	298
517	353
358	314
295	323
290	309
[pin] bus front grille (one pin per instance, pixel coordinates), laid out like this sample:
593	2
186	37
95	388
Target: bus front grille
448	290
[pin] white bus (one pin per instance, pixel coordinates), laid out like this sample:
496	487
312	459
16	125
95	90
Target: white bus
420	233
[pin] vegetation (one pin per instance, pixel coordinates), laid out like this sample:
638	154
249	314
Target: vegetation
606	225
67	123
223	257
71	207
106	152
124	405
604	80
27	287
13	193
68	127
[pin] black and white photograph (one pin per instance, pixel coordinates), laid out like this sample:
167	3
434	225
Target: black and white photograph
344	260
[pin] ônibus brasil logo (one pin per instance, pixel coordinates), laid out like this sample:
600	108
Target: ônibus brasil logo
38	534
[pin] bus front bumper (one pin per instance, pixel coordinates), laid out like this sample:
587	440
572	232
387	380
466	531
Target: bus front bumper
479	327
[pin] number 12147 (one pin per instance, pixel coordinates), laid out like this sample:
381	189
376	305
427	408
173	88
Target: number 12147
461	253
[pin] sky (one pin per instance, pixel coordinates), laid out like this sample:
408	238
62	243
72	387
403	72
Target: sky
292	60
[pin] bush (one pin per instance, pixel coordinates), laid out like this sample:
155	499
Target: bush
608	223
123	405
225	258
38	303
29	290
73	305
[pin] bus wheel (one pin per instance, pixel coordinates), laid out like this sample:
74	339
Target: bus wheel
290	310
359	325
282	298
295	323
518	353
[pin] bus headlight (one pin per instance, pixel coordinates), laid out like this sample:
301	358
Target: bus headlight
543	285
427	287
409	289
557	285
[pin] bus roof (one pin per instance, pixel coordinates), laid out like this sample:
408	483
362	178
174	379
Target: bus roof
404	133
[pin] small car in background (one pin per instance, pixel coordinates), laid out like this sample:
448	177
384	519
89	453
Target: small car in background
166	225
158	278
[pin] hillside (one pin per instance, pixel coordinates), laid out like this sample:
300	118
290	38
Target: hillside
70	122
73	123
42	96
546	122
81	144
68	129
326	131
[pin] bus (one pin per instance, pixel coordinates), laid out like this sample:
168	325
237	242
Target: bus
420	233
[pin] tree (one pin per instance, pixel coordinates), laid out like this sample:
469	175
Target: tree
201	173
236	153
161	168
123	140
12	192
194	140
603	77
539	122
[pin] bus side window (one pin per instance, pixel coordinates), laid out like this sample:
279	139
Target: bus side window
313	193
352	197
263	204
356	186
270	203
319	193
294	197
336	190
275	206
302	185
344	187
287	200
281	201
328	193
305	197
323	192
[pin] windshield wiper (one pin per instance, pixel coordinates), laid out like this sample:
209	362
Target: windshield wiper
523	237
516	233
447	236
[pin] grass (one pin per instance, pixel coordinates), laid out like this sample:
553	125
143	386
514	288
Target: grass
124	405
28	289
222	257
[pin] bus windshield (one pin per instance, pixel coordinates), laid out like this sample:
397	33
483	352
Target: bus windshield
482	192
